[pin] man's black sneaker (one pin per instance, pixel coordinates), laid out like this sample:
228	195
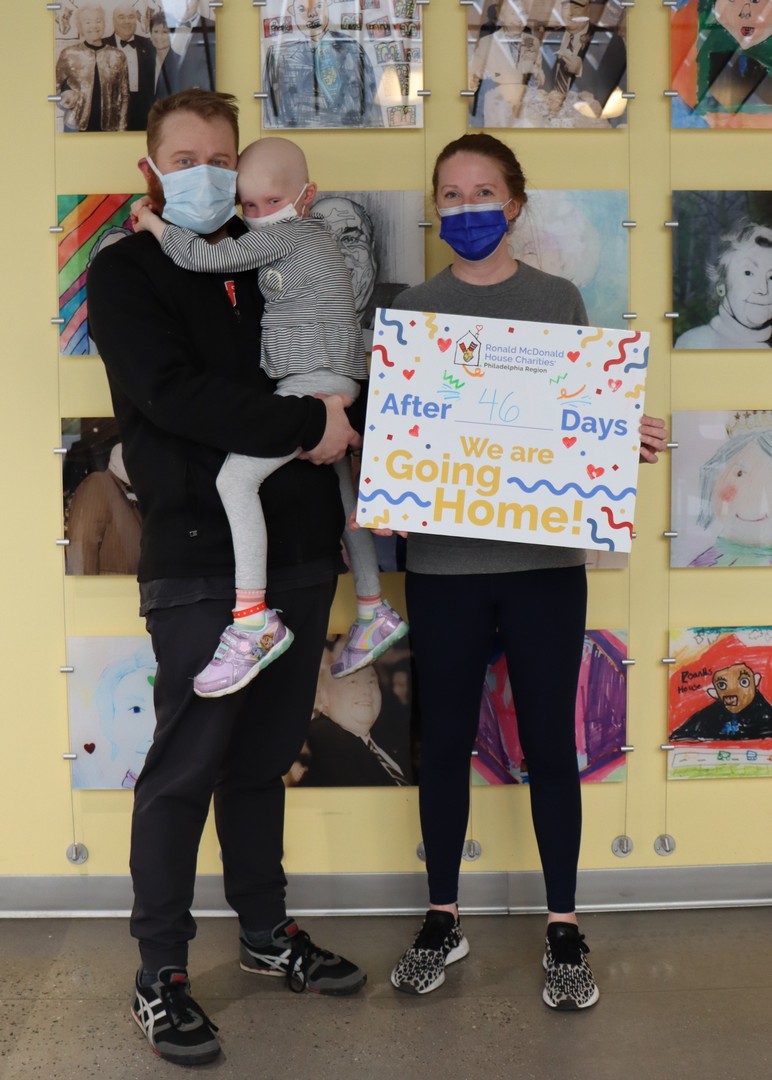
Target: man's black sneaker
439	942
175	1026
306	966
569	982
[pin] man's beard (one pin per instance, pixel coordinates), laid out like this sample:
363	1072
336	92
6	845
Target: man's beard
155	193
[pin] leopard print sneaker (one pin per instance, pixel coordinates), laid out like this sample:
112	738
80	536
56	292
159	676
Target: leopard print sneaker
569	982
439	942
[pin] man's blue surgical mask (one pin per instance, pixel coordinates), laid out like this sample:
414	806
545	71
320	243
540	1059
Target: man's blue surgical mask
202	198
474	230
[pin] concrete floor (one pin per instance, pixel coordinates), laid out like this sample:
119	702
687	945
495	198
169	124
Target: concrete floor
683	994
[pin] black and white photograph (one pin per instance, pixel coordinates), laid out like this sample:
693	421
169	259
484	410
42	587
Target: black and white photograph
115	58
722	269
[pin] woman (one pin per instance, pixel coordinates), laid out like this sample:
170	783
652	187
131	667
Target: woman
166	59
92	78
514	591
742	278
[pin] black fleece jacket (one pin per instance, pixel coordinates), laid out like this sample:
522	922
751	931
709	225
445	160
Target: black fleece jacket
182	353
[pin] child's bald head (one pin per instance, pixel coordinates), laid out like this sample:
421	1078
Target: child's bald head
273	173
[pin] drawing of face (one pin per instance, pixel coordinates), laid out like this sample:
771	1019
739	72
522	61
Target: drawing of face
91	24
748	21
749	284
130	727
735	687
124	22
311	17
353	230
742	497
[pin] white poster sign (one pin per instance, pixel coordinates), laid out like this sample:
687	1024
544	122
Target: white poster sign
506	430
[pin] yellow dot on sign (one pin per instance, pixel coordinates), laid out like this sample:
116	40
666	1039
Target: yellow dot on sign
588	364
546	332
376	393
376	459
404	517
609	343
635	449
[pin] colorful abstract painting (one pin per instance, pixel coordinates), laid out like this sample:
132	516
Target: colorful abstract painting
89	223
601	716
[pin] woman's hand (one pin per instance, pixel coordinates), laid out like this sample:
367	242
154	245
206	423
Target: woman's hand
653	438
352	523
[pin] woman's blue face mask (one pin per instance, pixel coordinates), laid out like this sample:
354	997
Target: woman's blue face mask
202	198
474	230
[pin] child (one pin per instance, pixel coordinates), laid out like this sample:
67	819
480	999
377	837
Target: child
311	344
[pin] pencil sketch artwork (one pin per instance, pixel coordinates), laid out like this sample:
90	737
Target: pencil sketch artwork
342	63
381	241
547	63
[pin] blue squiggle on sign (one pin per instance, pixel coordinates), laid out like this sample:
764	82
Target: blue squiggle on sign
570	487
643	364
394	502
599	539
394	322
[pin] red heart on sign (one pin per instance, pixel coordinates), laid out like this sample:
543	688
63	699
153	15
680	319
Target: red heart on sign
444	343
615	384
593	473
409	374
569	440
413	430
89	747
573	356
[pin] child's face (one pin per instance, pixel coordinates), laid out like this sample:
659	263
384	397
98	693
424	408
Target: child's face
259	196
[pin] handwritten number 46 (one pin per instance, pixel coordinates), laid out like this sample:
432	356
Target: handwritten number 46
499	410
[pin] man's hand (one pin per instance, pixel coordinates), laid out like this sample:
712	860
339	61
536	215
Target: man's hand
338	435
653	437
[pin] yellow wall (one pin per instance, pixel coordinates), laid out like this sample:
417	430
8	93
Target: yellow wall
713	822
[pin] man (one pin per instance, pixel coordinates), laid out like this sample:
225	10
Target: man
193	42
186	388
140	60
322	79
353	741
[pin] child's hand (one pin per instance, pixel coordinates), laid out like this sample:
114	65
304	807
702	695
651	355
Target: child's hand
144	217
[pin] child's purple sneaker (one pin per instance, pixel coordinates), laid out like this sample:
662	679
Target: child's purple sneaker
369	639
241	655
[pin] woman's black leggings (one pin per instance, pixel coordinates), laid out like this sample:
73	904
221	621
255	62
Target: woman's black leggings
539	616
